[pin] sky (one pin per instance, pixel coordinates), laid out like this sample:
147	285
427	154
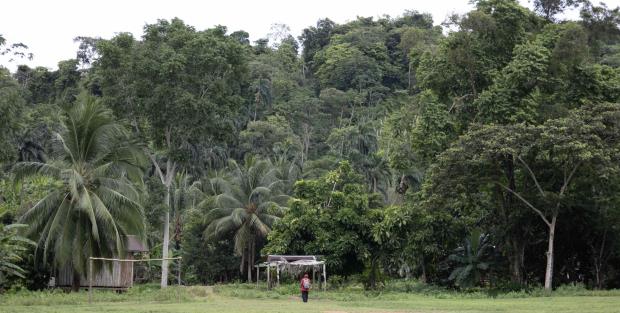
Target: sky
48	27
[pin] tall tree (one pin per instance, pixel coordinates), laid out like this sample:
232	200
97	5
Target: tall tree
550	8
178	86
331	216
549	158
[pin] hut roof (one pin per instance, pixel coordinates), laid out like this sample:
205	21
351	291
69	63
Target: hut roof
290	258
135	245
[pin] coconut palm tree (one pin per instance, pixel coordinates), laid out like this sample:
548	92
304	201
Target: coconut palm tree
251	202
96	202
287	172
376	170
188	194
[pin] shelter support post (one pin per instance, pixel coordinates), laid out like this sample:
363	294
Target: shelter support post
278	273
268	276
257	274
179	280
313	274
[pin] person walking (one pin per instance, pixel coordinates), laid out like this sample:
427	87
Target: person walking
306	284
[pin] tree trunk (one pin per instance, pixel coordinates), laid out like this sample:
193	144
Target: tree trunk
409	78
75	283
516	262
517	248
374	184
549	270
599	262
170	172
166	180
242	264
423	278
256	101
373	274
597	271
402	187
306	142
164	263
250	262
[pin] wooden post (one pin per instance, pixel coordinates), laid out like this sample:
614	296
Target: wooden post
268	276
90	280
278	273
324	277
179	280
132	265
257	273
313	275
179	272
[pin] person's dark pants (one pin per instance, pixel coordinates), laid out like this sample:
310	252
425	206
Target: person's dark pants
304	296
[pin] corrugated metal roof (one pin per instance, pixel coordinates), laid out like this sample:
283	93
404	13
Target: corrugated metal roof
290	258
134	244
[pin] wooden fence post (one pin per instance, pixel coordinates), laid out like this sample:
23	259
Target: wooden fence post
179	272
324	277
90	280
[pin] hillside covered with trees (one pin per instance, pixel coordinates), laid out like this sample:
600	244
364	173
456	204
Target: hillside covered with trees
484	152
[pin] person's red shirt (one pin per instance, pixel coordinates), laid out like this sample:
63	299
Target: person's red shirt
302	284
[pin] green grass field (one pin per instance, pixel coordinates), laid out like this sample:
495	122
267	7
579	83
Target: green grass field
244	299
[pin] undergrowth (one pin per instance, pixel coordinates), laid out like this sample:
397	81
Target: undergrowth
395	290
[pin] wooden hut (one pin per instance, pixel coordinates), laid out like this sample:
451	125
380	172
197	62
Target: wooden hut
119	276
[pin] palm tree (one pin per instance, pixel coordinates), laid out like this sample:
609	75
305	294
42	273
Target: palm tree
248	207
287	172
472	260
187	194
96	202
376	170
181	200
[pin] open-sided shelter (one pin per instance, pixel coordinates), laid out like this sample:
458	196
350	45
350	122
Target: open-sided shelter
293	264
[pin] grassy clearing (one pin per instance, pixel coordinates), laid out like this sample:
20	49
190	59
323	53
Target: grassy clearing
245	298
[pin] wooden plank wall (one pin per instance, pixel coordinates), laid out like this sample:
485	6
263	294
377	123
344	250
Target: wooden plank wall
119	277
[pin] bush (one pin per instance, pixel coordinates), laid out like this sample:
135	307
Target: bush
336	282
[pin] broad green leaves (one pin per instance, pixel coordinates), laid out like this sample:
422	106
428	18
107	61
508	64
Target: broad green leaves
331	216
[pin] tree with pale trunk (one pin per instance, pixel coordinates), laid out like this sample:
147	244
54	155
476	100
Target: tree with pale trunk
178	87
545	163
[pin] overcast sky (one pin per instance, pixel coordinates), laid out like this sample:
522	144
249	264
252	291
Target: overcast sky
48	27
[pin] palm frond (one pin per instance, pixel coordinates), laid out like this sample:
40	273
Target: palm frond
24	170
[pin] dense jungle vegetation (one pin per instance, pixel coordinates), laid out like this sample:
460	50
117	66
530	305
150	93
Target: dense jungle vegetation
482	152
